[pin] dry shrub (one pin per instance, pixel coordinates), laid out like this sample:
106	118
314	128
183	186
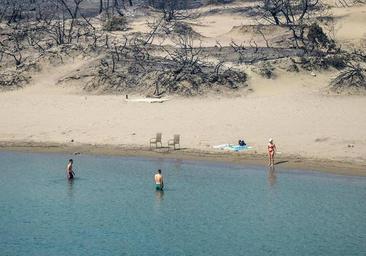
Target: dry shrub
318	39
265	69
12	79
354	74
353	77
337	61
323	62
116	23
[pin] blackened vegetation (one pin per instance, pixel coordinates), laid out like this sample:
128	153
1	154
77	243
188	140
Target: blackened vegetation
36	30
317	39
40	26
172	21
246	54
116	23
265	69
354	74
137	63
13	79
182	70
295	15
320	51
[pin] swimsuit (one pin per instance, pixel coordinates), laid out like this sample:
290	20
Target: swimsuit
71	176
271	148
159	187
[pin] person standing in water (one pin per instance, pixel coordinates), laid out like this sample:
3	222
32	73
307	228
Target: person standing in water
271	152
69	171
159	181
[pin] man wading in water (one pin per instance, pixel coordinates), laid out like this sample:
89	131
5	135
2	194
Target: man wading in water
159	181
69	171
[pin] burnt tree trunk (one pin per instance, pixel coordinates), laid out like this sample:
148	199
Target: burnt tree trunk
100	6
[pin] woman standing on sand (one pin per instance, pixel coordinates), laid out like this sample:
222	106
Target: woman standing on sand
271	152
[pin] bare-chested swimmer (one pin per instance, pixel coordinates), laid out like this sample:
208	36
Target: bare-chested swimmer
159	181
69	171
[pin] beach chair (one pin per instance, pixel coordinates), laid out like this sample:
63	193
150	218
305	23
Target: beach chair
175	141
156	140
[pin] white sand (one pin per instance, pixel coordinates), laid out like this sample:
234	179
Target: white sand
292	110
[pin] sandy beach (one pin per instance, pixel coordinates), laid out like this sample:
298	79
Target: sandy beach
306	124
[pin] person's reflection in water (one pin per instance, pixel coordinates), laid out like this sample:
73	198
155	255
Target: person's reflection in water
70	187
272	178
159	194
159	197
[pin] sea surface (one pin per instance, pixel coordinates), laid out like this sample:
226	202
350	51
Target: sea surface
111	208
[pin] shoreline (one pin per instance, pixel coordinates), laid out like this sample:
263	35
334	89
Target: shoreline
242	158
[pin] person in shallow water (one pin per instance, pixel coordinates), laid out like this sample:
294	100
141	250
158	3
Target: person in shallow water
69	170
271	152
159	181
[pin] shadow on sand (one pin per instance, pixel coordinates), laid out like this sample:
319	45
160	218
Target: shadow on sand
281	162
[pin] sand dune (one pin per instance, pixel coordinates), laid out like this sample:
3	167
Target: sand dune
235	22
228	24
350	24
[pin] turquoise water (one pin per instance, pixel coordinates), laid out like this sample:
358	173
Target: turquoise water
111	208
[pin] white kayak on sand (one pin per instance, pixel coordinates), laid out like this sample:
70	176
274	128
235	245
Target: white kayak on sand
148	100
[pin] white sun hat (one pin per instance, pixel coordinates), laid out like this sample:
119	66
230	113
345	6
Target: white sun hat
270	140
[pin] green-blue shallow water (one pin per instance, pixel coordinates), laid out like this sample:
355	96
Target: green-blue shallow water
111	208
